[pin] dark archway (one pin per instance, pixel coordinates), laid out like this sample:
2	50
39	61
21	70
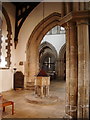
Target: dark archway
48	58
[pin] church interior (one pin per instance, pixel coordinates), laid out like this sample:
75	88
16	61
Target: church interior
44	59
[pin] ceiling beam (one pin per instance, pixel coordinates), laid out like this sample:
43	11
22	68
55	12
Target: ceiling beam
21	14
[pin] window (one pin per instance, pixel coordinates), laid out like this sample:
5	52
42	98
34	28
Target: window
56	30
5	40
3	62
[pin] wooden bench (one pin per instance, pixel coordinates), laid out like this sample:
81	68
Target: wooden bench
7	103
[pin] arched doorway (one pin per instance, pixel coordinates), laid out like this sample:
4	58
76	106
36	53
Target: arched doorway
48	59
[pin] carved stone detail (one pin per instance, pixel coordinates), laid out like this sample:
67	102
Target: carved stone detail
8	49
8	40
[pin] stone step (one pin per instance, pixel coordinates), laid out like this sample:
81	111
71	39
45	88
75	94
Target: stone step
30	86
30	83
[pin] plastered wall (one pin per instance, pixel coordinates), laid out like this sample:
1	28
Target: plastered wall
19	54
32	20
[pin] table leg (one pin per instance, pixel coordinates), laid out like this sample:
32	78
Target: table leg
12	108
3	109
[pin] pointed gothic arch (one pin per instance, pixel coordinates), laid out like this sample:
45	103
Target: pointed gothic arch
47	52
74	75
47	44
32	58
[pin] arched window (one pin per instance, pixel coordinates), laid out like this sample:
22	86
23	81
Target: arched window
56	30
5	40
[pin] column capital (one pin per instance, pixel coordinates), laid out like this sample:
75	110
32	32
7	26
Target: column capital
82	21
70	25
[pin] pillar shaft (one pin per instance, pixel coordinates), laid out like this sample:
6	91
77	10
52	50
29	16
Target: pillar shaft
67	71
82	5
71	69
83	69
76	6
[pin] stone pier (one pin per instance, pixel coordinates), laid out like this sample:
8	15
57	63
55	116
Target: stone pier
83	68
71	70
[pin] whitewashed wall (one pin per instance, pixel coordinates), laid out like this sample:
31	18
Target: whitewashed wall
32	20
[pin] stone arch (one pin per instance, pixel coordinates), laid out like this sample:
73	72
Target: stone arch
32	58
44	44
62	52
44	26
9	33
47	54
48	50
62	62
74	86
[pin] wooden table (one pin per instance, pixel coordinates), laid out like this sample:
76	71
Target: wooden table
7	103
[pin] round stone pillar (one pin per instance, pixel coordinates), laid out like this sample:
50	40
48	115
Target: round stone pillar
71	70
83	69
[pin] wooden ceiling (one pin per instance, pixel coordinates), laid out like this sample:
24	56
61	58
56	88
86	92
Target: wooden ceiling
23	4
23	9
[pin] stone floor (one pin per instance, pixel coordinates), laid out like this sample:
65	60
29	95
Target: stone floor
24	109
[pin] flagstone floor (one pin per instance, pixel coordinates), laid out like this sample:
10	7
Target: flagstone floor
25	109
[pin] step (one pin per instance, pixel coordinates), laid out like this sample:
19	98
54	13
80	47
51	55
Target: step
30	86
30	83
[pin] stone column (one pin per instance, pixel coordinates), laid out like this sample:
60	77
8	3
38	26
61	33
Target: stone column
82	6
71	70
67	107
76	6
83	69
